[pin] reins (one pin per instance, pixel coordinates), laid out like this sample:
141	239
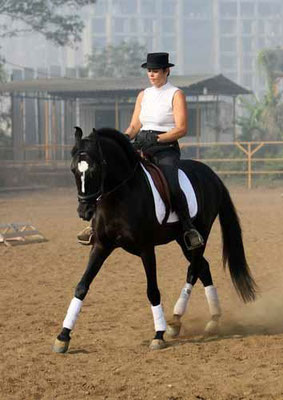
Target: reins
100	194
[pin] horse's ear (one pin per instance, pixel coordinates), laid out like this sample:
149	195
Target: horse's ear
78	134
93	134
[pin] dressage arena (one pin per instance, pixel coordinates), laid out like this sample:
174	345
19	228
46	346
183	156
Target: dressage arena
109	356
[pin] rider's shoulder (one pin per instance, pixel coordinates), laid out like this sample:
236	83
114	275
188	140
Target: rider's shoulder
140	95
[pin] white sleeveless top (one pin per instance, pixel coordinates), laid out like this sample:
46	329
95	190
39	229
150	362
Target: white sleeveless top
157	108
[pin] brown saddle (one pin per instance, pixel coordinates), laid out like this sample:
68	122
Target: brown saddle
160	184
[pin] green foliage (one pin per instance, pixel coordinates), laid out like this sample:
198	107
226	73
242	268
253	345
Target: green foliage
261	118
57	20
117	61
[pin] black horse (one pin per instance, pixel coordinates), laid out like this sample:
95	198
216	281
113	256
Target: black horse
113	190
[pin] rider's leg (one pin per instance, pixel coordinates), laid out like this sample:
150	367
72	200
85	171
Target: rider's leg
168	163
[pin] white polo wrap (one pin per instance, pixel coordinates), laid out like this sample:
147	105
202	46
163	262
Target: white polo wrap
72	313
158	317
182	302
213	300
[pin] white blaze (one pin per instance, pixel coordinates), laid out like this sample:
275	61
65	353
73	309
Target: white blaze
83	167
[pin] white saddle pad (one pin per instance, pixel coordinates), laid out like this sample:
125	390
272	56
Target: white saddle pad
159	204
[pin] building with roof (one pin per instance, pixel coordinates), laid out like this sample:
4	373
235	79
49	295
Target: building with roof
202	36
44	111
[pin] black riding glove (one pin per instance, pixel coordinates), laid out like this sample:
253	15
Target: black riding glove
151	140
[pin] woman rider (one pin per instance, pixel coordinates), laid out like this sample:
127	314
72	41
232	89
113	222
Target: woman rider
158	121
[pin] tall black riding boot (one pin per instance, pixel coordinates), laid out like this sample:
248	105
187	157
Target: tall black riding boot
192	238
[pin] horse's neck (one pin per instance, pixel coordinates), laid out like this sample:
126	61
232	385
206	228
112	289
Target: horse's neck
118	167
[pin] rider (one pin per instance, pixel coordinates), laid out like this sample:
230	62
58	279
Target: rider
158	121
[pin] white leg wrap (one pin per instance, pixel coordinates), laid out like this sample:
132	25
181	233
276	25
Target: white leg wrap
182	302
72	313
213	301
158	317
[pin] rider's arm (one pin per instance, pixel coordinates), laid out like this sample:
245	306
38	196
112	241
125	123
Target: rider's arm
180	117
135	124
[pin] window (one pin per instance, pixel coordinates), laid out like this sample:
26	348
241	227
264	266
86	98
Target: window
228	44
228	9
168	25
264	9
247	44
197	8
100	8
98	42
168	43
198	54
122	7
228	61
119	25
228	27
148	7
168	7
247	9
133	25
98	25
247	27
261	42
148	25
247	62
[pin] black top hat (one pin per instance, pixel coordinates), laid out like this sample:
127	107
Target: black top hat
157	60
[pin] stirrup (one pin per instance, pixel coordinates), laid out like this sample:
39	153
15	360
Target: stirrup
194	243
87	242
86	236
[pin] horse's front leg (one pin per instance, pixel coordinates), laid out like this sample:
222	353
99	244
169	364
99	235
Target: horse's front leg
97	257
153	294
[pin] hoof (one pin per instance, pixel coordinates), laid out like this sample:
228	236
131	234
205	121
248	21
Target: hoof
212	328
174	326
157	344
60	347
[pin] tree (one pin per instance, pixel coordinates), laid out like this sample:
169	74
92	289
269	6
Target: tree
262	116
117	61
56	20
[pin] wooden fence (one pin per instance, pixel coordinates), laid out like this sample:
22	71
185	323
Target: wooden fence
247	159
241	158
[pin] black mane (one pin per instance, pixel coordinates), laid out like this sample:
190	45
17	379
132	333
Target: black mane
120	138
112	134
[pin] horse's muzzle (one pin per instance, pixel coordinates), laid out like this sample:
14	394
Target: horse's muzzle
86	211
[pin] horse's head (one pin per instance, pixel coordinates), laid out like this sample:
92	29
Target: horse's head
88	167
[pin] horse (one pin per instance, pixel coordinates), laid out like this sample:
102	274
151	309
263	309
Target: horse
113	191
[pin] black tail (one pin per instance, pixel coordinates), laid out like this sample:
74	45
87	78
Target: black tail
233	249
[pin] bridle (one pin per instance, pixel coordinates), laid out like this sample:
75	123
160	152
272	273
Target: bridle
85	198
101	194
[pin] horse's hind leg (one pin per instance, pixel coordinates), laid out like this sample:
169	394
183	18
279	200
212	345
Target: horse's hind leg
153	294
195	257
97	257
212	327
